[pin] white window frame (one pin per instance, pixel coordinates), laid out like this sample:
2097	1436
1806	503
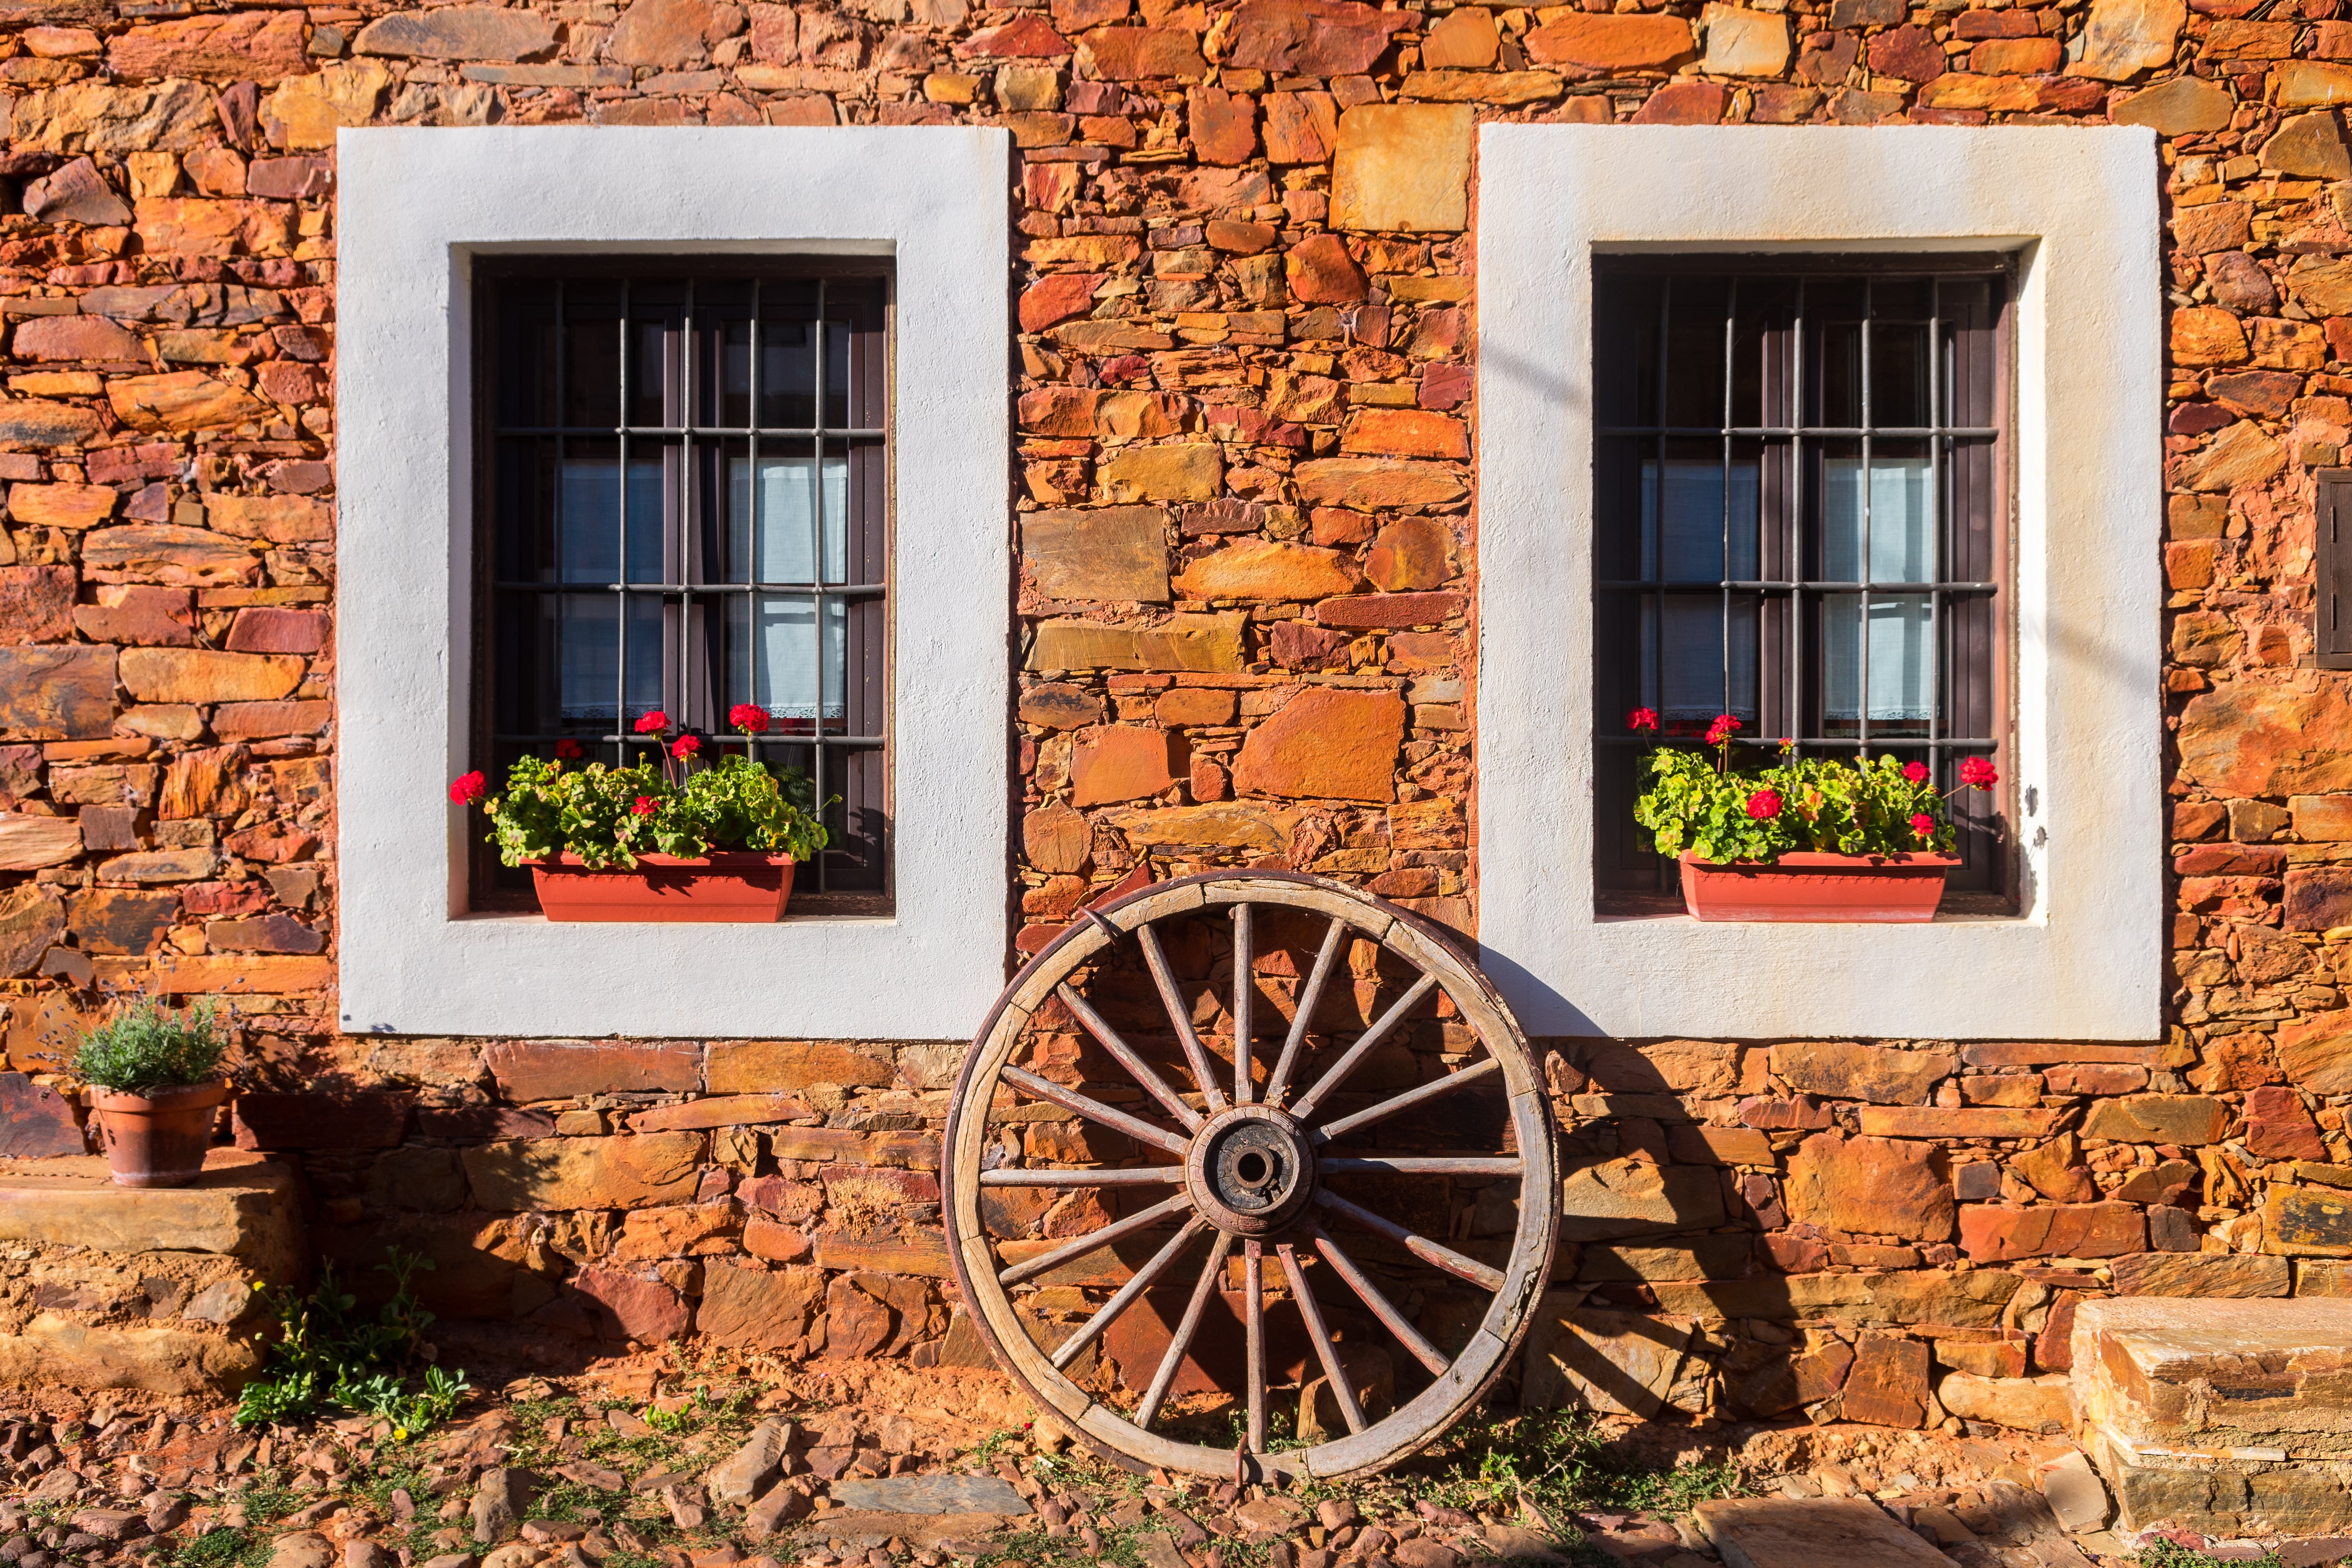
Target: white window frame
2084	958
416	206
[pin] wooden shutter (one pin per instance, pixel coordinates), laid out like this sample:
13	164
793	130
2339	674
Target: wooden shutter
2332	595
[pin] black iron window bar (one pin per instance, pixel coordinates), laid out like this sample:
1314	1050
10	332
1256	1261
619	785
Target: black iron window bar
815	592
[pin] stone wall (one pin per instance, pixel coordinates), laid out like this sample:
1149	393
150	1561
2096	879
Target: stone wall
1248	558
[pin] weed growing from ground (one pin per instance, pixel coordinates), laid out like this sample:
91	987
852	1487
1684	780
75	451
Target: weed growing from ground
325	1351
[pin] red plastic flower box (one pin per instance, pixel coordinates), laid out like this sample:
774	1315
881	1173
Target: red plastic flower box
727	886
1807	886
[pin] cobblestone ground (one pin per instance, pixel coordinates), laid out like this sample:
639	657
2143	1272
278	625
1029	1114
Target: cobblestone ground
659	1464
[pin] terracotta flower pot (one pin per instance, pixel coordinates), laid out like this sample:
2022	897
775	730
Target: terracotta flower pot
1804	886
158	1139
727	886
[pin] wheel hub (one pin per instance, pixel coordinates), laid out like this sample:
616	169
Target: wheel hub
1251	1169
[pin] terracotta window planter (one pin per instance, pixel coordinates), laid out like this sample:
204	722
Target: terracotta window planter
725	887
157	1139
1803	886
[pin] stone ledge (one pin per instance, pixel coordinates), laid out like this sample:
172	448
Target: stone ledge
2228	1417
240	1206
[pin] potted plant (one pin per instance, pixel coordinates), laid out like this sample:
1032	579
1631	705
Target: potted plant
1806	838
648	842
156	1088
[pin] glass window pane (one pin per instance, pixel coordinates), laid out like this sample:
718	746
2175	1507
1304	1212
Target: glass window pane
785	660
591	354
781	522
1625	350
1899	374
1685	517
588	531
787	356
1685	671
1695	348
1901	654
529	339
1762	383
1900	521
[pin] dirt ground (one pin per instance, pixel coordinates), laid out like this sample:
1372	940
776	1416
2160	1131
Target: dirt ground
665	1461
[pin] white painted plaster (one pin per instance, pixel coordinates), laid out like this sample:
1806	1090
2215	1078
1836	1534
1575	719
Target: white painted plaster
416	206
2086	958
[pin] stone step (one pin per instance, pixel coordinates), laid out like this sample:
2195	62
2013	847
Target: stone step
1807	1533
136	1288
2228	1417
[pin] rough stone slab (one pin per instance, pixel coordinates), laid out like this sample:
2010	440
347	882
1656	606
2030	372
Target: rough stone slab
862	1530
244	1209
932	1495
1804	1532
2211	1377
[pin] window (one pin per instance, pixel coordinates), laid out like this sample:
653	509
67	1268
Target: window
687	495
728	488
1672	322
2332	601
1801	521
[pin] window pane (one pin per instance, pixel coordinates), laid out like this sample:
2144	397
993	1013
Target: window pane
530	342
1625	351
1900	522
1685	518
1899	374
780	525
591	354
1685	669
787	356
589	527
784	660
1695	349
1901	661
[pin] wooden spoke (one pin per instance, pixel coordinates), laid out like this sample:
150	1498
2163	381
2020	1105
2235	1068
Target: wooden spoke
1153	1084
1253	1336
1430	1164
1135	1127
1094	1241
1203	1289
1420	1247
1383	1308
1204	1074
1309	998
1158	1264
1434	1089
1244	998
1134	1176
1304	1109
1341	1388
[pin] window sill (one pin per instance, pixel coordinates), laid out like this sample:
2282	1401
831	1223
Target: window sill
807	908
1957	909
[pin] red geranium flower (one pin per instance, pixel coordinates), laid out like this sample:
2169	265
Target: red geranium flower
1923	825
1916	772
569	749
1979	772
685	746
748	718
1641	719
653	723
1764	805
1721	729
467	788
645	806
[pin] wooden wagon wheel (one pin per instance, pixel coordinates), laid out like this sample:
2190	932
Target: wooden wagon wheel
1247	1143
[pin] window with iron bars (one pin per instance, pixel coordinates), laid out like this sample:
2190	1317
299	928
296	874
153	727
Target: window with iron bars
685	474
1803	520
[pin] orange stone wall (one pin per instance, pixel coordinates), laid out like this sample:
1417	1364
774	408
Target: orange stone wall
1245	519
